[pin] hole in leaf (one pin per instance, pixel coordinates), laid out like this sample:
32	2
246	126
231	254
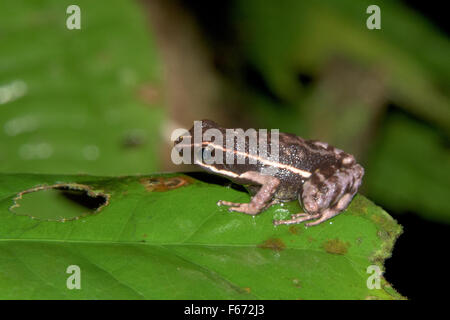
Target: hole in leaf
60	202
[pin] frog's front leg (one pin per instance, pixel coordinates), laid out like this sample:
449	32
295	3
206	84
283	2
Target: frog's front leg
327	193
262	200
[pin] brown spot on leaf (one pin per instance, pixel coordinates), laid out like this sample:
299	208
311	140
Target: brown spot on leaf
387	226
296	283
161	184
293	229
336	246
274	244
247	289
378	219
383	235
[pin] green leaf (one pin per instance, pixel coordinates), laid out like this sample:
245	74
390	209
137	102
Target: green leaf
164	237
83	100
414	161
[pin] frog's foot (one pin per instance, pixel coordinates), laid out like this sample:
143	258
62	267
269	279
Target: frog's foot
227	203
321	217
297	218
324	215
246	208
262	200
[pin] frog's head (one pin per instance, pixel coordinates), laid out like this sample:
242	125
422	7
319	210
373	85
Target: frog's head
196	133
199	145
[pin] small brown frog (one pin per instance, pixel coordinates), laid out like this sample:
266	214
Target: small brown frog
323	178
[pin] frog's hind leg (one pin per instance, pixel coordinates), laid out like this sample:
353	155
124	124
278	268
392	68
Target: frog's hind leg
333	211
330	196
326	194
262	200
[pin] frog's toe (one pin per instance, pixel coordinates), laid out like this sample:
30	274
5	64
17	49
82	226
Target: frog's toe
298	215
325	215
245	208
227	203
297	218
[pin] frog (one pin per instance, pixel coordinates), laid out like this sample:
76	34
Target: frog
324	179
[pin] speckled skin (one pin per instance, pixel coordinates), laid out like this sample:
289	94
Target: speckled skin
325	184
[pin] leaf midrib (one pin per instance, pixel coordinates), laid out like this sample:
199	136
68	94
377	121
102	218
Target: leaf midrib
162	244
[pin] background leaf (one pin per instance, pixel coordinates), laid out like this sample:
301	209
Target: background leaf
413	160
78	101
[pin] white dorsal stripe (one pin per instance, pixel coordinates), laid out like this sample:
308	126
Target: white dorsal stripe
303	173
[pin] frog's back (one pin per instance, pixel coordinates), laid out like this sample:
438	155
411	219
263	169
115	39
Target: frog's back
307	155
